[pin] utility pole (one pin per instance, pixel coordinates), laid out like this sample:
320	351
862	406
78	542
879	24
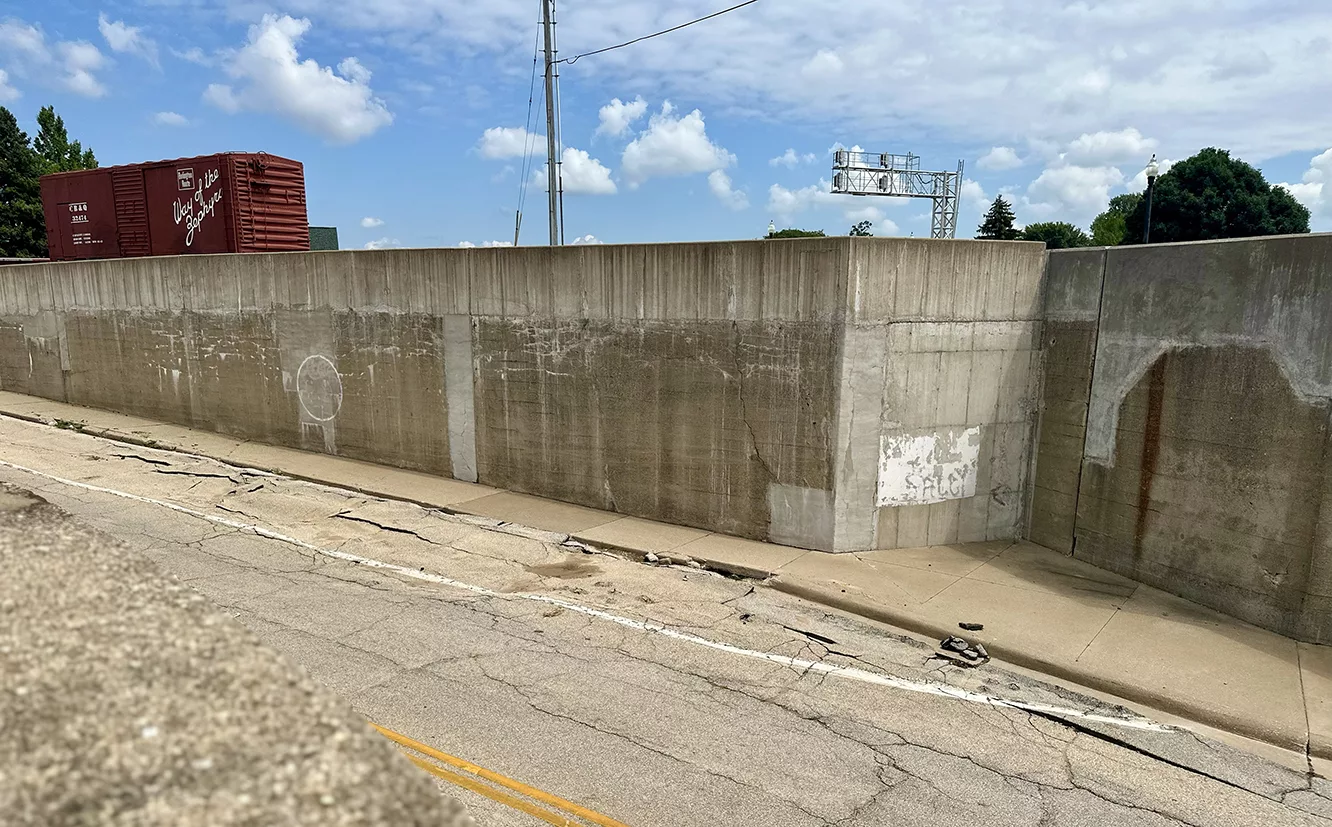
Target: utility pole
552	162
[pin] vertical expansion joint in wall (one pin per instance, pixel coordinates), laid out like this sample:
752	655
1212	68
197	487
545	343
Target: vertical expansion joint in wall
1034	433
1091	384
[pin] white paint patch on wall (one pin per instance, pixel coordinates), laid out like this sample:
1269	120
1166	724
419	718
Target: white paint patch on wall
922	467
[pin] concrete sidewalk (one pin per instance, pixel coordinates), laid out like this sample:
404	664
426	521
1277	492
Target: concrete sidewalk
1040	609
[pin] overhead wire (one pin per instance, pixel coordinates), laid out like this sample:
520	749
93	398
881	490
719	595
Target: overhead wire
529	140
576	58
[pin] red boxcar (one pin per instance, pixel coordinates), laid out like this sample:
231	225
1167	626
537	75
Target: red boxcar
235	202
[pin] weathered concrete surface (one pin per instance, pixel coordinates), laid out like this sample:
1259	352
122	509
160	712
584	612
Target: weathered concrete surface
752	388
127	698
1205	469
940	371
1072	308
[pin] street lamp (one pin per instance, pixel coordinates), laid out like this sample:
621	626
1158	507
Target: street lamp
1153	169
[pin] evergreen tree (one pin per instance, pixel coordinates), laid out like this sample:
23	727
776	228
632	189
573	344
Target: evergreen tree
22	226
998	223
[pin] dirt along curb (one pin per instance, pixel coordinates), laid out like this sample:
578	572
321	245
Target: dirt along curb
1134	693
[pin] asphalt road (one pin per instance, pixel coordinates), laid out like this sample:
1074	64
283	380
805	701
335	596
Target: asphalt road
654	696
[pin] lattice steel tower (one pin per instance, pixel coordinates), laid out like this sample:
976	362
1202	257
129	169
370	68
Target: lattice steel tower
876	173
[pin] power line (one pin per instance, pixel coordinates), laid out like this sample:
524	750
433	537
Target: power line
528	140
575	58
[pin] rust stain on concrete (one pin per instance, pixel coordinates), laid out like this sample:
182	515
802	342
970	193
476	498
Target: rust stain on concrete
1151	450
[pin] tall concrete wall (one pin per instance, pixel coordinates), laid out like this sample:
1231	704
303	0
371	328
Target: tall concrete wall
1204	469
773	390
938	384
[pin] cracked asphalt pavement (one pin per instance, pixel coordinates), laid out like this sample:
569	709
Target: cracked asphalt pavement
655	695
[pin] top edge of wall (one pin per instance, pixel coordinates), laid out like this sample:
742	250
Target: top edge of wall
1158	245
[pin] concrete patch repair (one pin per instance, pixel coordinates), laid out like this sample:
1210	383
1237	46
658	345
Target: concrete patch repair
923	467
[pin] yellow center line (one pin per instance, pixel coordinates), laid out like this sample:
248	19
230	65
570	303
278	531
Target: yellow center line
491	793
503	781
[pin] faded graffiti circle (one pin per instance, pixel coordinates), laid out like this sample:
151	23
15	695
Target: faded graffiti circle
319	388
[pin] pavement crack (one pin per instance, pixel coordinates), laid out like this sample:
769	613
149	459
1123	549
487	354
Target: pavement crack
1083	729
202	475
157	462
350	517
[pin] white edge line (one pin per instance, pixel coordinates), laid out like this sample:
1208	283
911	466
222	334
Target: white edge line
847	672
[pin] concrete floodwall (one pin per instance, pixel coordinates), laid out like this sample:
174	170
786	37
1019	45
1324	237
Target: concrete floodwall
1184	433
826	393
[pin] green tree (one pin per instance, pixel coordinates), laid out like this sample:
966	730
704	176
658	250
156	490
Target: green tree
862	228
794	233
1109	227
1212	195
1057	235
998	223
22	226
58	152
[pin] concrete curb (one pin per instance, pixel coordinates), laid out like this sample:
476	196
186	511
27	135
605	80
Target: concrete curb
1173	704
815	593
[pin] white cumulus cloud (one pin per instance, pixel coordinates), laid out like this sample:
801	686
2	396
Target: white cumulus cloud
1315	188
7	92
786	202
720	184
81	59
508	142
617	116
370	222
580	173
824	65
672	145
1071	193
1104	148
170	119
341	107
790	159
973	194
469	245
384	243
883	226
193	55
1000	158
127	39
68	64
586	239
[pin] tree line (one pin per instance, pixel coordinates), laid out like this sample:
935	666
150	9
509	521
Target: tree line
1208	196
22	163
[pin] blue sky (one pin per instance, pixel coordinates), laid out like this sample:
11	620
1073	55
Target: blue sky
407	113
